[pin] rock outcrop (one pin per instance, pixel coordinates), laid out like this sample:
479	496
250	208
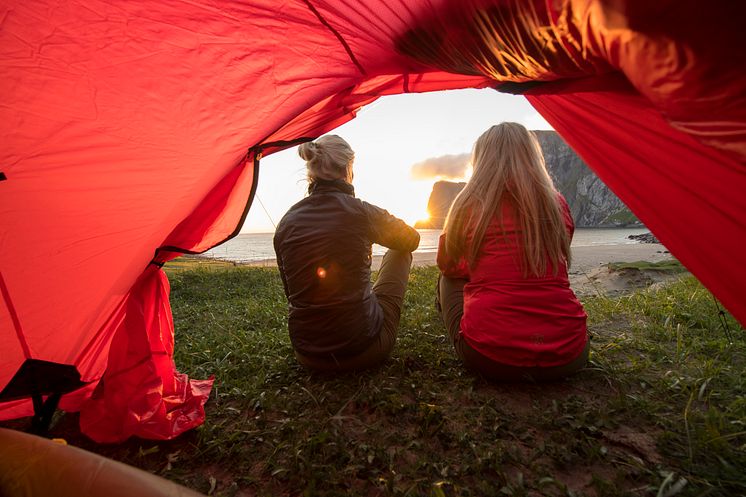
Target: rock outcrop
441	198
591	202
644	238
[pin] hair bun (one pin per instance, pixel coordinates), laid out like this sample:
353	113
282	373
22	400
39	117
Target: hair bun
307	151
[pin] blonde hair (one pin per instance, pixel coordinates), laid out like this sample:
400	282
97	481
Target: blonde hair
509	168
330	157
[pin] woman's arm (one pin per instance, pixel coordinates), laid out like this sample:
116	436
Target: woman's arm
449	266
569	223
390	231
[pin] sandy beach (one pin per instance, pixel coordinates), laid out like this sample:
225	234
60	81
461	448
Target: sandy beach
585	259
588	274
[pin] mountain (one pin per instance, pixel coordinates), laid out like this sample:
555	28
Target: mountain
591	202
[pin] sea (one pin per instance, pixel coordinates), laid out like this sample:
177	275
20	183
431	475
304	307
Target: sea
257	247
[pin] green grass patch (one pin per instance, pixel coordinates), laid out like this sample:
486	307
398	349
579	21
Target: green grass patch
189	263
622	217
668	266
661	410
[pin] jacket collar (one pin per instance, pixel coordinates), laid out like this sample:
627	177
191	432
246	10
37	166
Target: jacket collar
330	186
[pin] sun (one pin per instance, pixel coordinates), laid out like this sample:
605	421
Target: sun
424	218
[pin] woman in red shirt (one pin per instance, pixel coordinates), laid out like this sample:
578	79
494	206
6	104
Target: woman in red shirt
504	293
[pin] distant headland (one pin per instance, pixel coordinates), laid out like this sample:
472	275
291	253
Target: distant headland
591	202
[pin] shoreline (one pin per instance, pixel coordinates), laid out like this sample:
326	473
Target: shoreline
588	273
584	259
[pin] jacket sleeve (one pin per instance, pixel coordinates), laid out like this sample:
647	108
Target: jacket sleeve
390	231
448	266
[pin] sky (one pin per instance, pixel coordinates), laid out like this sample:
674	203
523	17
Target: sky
394	140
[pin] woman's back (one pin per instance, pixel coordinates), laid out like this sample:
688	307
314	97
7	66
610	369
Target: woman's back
323	248
501	251
508	305
510	316
337	319
323	245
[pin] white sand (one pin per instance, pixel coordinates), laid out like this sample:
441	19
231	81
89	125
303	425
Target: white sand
585	259
587	273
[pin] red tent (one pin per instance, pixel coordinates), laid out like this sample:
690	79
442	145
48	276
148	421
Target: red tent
131	133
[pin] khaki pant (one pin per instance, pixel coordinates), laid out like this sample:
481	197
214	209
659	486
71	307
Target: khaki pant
451	302
389	289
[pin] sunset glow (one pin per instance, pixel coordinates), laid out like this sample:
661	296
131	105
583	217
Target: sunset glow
403	144
403	197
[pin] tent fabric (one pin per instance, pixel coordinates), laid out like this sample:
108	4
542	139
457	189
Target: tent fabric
140	380
132	131
698	190
140	392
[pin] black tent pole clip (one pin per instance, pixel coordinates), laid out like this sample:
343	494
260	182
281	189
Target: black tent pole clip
43	412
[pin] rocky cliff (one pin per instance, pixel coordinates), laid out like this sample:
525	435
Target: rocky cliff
591	202
441	198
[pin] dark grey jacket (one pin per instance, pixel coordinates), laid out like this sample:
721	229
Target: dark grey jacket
323	247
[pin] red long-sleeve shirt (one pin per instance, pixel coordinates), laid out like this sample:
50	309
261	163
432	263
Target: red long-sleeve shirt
512	319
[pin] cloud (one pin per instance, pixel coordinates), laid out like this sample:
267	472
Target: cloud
445	166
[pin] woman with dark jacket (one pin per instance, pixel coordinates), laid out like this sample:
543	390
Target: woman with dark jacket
337	319
504	292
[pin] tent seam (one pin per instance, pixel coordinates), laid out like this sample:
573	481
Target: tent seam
337	35
14	318
236	231
255	153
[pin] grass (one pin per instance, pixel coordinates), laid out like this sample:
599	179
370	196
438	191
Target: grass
660	411
671	266
622	217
